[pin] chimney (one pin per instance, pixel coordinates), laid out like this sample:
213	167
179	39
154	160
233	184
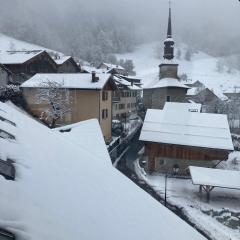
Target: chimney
94	77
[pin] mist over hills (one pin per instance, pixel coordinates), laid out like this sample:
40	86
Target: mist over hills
94	30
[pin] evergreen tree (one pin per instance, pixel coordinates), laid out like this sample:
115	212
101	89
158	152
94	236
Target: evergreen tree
188	55
179	54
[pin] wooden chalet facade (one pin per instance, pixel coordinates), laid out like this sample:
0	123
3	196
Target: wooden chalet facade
174	136
113	69
66	65
209	100
25	64
163	157
5	76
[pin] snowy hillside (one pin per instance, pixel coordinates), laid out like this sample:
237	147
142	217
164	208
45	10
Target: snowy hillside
63	190
12	44
202	67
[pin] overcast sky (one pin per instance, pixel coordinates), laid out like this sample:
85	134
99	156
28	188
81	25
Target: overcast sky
151	14
199	19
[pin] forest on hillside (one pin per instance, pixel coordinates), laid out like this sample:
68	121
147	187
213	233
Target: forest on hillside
95	30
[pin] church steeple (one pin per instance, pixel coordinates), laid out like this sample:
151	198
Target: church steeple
169	42
169	31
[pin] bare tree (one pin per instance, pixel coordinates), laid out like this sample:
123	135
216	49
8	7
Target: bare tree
58	99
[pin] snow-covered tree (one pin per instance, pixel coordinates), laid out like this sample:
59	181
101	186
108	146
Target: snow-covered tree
219	65
129	66
179	54
184	77
58	100
188	55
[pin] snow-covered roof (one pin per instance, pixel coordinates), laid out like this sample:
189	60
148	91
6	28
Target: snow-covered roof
188	107
187	128
193	91
63	189
69	80
134	87
62	59
196	90
78	133
167	82
121	81
18	57
113	66
169	40
215	177
169	62
91	69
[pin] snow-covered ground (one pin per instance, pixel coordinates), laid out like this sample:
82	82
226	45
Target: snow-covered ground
202	67
219	218
66	186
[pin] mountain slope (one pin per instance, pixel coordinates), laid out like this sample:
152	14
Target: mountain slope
202	67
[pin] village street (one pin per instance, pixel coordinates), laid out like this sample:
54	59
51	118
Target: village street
132	154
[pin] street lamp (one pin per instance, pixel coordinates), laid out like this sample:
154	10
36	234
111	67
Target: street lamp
175	172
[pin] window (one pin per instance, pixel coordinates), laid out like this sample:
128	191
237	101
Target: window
160	161
121	106
104	95
168	98
104	113
128	105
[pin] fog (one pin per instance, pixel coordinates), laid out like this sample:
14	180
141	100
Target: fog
74	25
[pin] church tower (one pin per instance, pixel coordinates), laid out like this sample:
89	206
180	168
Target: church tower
168	69
167	88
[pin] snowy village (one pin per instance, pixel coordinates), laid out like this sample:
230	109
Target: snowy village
106	133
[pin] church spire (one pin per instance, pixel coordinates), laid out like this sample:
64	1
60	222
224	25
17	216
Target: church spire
169	42
169	31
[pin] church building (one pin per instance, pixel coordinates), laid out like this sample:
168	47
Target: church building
167	88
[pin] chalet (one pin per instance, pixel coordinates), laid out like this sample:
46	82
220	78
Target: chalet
196	84
66	64
176	136
5	76
209	99
90	94
167	88
25	64
112	68
125	98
